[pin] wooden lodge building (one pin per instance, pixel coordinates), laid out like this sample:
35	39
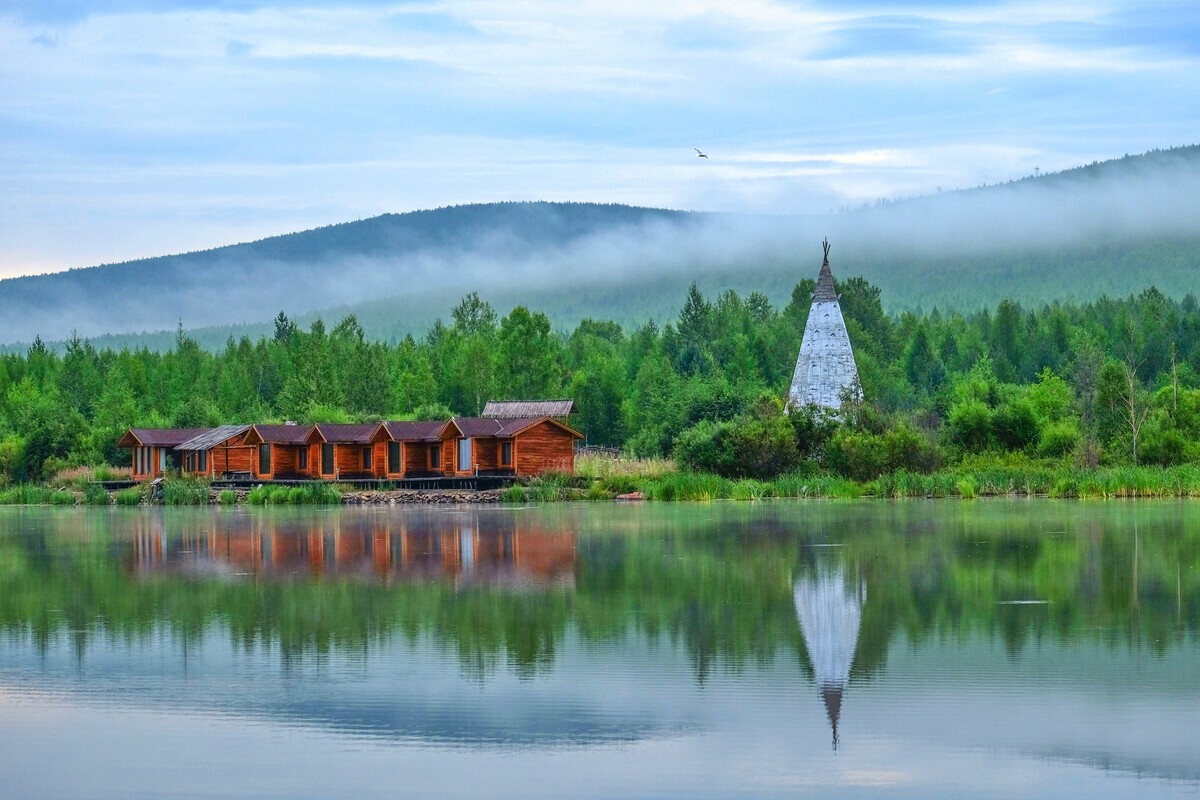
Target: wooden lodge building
499	445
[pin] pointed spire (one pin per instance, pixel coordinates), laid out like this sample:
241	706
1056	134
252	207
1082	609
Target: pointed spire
832	695
825	293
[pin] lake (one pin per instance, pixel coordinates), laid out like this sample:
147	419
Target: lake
782	649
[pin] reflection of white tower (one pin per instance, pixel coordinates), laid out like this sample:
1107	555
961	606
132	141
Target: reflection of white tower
830	612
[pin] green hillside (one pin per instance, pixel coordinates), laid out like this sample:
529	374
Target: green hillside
1108	228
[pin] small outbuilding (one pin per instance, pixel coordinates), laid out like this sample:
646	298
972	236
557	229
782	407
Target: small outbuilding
497	446
281	451
154	449
409	449
529	409
217	451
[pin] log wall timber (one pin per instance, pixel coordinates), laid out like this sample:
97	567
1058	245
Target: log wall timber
544	447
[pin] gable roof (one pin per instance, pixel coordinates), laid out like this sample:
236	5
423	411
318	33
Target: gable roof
483	427
213	437
421	430
518	409
158	437
279	434
346	432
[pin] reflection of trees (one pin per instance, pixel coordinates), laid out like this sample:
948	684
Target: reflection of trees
718	584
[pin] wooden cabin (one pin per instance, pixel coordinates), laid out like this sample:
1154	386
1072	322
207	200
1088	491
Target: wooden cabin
496	446
216	452
154	449
409	449
282	451
344	450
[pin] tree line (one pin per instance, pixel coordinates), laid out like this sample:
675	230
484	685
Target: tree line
1113	381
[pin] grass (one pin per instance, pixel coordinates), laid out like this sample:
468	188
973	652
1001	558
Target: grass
129	497
227	497
94	495
310	494
592	467
184	492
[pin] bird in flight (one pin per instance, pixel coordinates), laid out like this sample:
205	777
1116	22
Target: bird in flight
698	153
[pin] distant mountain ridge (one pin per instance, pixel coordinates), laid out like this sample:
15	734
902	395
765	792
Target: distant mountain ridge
1111	227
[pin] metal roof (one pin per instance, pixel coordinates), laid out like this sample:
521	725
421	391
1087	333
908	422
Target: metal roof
213	437
283	434
348	433
158	437
515	409
423	430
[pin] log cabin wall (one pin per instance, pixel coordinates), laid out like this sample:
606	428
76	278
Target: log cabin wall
542	448
486	452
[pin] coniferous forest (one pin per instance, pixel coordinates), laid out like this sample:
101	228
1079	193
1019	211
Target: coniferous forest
1111	382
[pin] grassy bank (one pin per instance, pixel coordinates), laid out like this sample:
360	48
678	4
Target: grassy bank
1000	481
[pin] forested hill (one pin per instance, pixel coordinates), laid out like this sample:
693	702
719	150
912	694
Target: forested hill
1111	228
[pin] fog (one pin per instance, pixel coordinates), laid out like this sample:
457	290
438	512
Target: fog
1116	207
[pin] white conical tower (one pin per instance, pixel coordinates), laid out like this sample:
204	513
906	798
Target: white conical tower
825	369
830	614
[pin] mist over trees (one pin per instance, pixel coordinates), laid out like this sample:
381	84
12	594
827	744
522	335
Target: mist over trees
1115	381
1109	228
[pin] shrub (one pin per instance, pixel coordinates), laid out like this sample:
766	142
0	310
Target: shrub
857	455
906	448
761	444
971	425
94	495
1058	438
227	497
1016	424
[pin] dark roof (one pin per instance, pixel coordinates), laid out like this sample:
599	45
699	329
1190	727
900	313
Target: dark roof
213	437
514	409
158	437
348	433
422	430
492	426
283	434
826	292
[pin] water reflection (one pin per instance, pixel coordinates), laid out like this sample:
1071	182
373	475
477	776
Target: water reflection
462	548
830	612
1032	649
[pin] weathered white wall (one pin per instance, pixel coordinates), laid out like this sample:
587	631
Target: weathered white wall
826	364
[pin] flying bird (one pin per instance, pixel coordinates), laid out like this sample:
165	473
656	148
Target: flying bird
698	153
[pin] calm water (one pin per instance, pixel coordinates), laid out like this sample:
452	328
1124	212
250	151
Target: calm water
926	649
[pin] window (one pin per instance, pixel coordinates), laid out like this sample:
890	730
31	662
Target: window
506	454
435	456
464	455
366	458
264	459
202	460
326	459
302	458
393	456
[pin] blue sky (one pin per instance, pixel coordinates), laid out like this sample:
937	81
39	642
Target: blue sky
136	127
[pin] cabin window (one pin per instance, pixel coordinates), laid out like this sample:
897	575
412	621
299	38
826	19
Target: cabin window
264	459
435	457
464	455
366	458
302	458
326	459
393	456
506	454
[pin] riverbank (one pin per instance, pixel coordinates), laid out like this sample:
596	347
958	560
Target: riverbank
661	484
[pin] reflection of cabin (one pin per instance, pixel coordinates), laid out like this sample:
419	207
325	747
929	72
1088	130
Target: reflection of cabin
218	451
521	446
154	449
409	449
282	451
344	450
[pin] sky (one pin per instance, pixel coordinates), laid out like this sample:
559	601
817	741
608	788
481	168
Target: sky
133	128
